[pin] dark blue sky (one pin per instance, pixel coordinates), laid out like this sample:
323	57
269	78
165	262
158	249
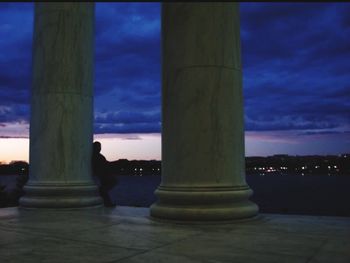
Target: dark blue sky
296	64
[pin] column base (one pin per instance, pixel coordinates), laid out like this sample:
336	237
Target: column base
60	196
204	203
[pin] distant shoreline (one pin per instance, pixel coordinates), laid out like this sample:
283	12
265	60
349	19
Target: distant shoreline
275	165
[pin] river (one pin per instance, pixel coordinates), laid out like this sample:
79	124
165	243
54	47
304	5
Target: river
287	194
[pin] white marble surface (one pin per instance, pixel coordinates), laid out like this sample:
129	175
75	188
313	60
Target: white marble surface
203	143
202	96
63	46
61	127
202	111
201	34
61	138
126	234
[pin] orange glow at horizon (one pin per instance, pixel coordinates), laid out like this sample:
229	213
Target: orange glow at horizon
14	149
130	146
148	146
114	147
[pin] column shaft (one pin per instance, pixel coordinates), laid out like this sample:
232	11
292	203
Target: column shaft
61	122
203	175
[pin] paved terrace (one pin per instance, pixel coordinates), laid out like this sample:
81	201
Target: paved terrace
126	234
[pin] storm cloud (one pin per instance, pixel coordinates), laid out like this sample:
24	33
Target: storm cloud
295	66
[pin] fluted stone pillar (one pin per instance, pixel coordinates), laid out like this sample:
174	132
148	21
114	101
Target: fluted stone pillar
62	108
203	174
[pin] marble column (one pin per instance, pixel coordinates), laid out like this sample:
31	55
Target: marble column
203	167
61	125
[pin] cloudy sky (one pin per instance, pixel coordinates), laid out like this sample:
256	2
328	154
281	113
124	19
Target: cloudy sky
296	81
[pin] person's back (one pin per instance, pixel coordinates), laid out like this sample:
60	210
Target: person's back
99	162
101	170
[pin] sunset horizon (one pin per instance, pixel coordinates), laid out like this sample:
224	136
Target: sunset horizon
137	147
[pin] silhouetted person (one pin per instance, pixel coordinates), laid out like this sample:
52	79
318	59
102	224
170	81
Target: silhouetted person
101	169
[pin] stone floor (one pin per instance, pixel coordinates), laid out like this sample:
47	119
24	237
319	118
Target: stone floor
126	234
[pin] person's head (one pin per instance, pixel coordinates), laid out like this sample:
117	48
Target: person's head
96	147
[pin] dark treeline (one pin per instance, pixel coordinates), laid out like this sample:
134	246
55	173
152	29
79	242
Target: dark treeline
20	170
119	167
14	168
279	164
